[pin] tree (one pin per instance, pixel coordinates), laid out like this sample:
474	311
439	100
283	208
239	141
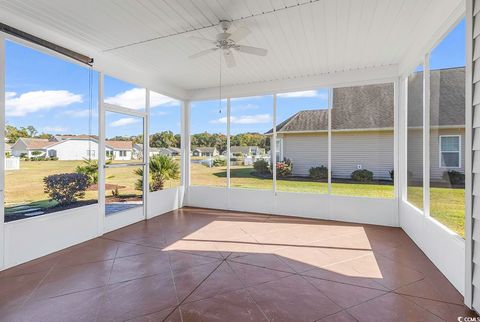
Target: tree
31	130
13	134
164	139
162	168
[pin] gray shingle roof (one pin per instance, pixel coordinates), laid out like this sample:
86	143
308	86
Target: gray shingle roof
371	106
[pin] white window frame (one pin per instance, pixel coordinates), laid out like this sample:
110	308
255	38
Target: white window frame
440	137
281	148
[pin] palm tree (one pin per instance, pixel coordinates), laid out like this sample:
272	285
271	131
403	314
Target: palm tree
90	169
162	168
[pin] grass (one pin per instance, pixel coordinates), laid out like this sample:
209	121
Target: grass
25	186
447	205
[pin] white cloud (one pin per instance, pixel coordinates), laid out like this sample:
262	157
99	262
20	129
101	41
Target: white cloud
245	107
34	101
245	119
135	98
124	122
54	129
78	113
304	94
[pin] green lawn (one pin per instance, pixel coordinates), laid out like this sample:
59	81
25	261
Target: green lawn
25	186
447	205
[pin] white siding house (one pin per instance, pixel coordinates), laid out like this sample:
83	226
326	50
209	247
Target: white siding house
362	131
68	148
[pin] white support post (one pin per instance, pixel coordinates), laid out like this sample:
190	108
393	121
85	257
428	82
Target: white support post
403	176
101	157
396	140
426	136
329	138
185	145
146	153
273	146
468	293
2	150
228	140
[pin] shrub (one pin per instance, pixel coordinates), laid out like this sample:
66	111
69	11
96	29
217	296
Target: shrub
162	168
454	177
218	162
392	174
318	173
66	188
53	158
261	166
284	168
363	175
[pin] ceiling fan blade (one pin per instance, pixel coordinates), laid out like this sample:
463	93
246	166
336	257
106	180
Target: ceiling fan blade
202	53
240	34
229	59
202	40
252	50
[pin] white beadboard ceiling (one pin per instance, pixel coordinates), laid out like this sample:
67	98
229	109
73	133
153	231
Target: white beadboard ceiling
304	38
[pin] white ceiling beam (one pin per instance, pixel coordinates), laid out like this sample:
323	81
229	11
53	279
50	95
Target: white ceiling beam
105	62
356	77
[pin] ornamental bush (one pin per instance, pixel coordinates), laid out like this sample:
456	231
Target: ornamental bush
66	188
318	173
284	168
218	162
261	166
454	177
363	175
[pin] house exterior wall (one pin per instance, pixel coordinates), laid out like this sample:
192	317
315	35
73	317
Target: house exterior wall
19	148
74	150
305	151
415	150
372	150
117	157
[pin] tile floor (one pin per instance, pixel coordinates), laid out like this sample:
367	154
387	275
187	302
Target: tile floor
207	265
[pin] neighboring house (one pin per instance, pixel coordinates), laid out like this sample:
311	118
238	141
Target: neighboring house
362	130
30	147
71	147
246	151
8	149
175	151
205	152
119	150
138	149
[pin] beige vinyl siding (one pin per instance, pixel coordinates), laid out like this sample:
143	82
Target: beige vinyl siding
436	172
415	150
372	150
305	151
415	154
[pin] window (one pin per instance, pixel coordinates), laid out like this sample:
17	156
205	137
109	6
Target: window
450	151
251	121
363	140
415	138
208	162
279	149
165	141
302	141
447	130
51	124
123	153
91	153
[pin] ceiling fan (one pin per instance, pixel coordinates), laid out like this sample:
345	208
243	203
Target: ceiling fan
227	42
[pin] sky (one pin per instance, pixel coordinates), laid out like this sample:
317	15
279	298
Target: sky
53	95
